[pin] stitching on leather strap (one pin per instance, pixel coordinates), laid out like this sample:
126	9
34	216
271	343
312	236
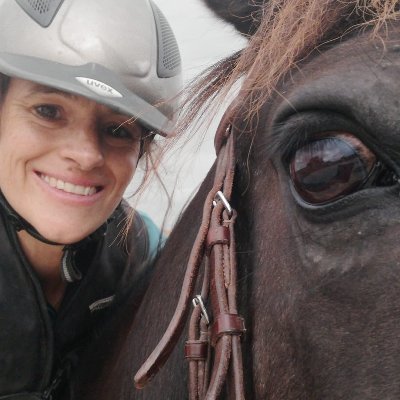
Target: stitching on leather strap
196	349
227	324
223	366
218	235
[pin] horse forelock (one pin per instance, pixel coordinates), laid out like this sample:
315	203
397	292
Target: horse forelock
289	33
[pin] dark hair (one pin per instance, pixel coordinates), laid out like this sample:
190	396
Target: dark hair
4	83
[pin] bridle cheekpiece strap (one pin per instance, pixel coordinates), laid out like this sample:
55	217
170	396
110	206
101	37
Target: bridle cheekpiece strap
215	244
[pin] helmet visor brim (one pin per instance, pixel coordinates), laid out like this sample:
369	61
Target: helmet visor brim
89	80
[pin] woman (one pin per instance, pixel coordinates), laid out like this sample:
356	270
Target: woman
84	85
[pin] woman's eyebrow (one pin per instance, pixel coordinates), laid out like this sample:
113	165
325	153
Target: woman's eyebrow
43	89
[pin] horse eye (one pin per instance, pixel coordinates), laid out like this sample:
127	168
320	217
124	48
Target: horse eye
329	168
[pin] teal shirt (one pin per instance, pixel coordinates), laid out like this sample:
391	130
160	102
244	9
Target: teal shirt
156	238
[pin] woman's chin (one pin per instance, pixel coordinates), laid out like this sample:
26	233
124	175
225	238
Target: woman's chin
57	229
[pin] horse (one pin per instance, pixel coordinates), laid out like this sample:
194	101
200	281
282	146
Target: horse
316	134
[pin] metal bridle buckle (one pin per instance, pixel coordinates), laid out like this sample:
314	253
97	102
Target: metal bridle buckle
219	195
198	301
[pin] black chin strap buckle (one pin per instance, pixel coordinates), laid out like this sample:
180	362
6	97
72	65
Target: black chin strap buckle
20	224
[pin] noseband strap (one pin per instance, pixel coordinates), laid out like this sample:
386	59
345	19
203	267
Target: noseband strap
215	244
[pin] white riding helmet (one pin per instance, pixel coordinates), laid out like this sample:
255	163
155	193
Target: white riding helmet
121	53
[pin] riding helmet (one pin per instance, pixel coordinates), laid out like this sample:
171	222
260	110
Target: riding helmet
121	53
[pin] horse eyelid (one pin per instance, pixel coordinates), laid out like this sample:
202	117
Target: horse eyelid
299	129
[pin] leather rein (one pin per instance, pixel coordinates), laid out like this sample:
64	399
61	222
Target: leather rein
213	348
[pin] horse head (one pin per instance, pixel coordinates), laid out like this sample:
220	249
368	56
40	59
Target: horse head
316	132
320	245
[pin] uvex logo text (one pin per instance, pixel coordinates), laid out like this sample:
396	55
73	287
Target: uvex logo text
98	87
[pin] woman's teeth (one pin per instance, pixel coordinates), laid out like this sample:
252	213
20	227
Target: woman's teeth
69	187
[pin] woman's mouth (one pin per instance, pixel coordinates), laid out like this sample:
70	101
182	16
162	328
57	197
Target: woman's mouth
68	186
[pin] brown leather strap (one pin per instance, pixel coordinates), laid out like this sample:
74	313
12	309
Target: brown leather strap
218	235
167	343
227	369
225	125
196	349
227	365
216	242
227	324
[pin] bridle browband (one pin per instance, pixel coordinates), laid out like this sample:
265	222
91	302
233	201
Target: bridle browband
213	348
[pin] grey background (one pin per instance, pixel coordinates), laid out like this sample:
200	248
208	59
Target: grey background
203	40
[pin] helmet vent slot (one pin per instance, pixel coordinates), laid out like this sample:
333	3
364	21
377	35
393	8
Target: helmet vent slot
169	58
41	11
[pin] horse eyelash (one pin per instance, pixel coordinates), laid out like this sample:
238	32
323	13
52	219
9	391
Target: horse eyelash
285	142
301	128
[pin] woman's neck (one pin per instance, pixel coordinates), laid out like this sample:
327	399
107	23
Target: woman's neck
45	260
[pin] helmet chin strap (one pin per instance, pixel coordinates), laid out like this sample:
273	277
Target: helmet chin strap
69	272
20	224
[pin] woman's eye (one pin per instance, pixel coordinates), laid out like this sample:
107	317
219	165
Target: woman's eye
122	135
48	111
118	132
329	168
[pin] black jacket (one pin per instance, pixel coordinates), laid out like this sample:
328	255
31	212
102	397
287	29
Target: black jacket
36	347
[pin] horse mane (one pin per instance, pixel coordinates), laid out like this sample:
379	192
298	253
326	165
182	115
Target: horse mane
289	31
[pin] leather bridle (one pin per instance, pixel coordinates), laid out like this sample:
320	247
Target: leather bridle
213	348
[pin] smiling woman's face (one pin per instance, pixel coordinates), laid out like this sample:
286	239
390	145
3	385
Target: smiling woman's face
65	161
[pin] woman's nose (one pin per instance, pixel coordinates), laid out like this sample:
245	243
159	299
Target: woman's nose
84	148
